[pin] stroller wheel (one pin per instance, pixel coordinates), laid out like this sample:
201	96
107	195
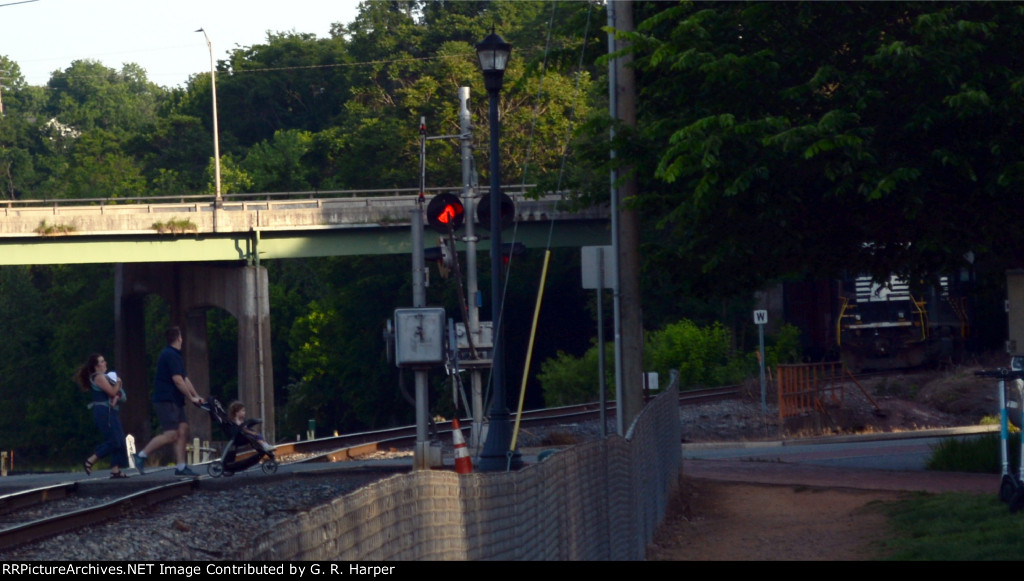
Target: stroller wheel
216	468
269	467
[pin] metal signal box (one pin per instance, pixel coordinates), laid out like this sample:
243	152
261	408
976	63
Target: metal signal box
419	337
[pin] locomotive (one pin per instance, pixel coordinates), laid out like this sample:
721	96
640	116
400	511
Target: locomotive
897	324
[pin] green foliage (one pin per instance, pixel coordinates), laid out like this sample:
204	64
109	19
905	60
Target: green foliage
277	165
175	226
704	356
786	347
978	454
337	372
45	229
567	380
54	318
952	527
296	113
788	135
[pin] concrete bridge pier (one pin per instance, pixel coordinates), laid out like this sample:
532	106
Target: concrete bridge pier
190	289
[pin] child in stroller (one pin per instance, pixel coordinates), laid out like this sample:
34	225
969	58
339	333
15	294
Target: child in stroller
240	433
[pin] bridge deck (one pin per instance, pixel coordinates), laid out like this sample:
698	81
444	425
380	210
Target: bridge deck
103	231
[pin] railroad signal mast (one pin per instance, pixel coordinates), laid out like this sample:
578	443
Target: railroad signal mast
472	341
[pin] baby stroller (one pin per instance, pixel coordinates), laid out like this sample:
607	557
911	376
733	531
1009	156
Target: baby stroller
238	437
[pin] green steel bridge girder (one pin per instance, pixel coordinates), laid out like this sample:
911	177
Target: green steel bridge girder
253	246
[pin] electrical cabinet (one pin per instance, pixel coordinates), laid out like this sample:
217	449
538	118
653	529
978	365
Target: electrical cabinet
419	337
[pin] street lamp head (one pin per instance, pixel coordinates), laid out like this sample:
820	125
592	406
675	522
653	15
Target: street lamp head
493	53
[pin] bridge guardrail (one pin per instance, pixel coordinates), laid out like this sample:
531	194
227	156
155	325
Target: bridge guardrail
515	191
241	213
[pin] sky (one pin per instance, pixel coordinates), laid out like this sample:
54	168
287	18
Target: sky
160	35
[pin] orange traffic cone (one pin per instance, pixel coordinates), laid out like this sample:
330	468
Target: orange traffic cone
463	463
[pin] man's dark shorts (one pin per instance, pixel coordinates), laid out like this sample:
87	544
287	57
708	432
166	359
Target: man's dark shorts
170	415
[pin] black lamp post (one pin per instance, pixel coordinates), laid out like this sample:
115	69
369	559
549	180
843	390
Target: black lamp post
493	53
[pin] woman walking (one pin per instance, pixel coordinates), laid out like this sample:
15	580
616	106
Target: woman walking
106	395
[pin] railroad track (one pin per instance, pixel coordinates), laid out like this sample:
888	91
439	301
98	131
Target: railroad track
62	522
32	515
18	531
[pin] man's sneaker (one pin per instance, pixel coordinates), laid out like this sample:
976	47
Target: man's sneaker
140	464
186	472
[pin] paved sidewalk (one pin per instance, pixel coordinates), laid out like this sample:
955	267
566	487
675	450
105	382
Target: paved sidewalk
749	472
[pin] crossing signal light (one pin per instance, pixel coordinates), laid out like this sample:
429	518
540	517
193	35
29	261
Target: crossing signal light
507	211
445	213
510	249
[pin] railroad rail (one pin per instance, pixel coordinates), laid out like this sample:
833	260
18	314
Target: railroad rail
61	521
81	518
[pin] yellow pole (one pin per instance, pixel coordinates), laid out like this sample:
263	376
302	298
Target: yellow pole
529	349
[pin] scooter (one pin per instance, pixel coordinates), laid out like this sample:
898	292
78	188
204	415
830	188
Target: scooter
1011	489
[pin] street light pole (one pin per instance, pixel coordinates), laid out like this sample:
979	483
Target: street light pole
217	202
497	454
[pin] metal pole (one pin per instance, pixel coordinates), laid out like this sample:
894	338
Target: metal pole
421	451
218	202
764	399
600	342
496	454
2	75
472	289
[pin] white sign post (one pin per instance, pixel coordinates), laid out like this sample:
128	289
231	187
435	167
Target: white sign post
761	319
597	266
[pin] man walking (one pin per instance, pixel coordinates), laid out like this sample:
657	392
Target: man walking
170	388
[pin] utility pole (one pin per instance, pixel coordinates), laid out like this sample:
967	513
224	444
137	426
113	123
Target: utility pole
625	234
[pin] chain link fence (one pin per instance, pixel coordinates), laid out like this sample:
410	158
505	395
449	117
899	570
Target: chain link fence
600	500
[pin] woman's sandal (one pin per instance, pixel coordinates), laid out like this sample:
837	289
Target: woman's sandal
118	474
88	466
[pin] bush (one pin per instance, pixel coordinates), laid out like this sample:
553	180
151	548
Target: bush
567	380
786	348
704	356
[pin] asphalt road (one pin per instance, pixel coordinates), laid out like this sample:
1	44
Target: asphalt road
876	461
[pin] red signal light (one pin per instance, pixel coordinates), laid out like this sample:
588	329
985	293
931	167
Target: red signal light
449	214
445	213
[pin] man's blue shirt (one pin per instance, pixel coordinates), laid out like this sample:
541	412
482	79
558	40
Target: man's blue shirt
169	364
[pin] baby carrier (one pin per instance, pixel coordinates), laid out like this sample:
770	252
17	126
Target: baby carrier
238	437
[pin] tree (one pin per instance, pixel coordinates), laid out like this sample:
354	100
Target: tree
101	170
294	81
18	132
88	94
278	164
817	137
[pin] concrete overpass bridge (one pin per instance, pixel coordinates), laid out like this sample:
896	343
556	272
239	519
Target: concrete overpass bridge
197	254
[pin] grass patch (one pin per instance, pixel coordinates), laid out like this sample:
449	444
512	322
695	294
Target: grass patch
979	454
953	527
45	229
175	226
958	526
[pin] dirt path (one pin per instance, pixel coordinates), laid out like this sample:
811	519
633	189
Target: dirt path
723	521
